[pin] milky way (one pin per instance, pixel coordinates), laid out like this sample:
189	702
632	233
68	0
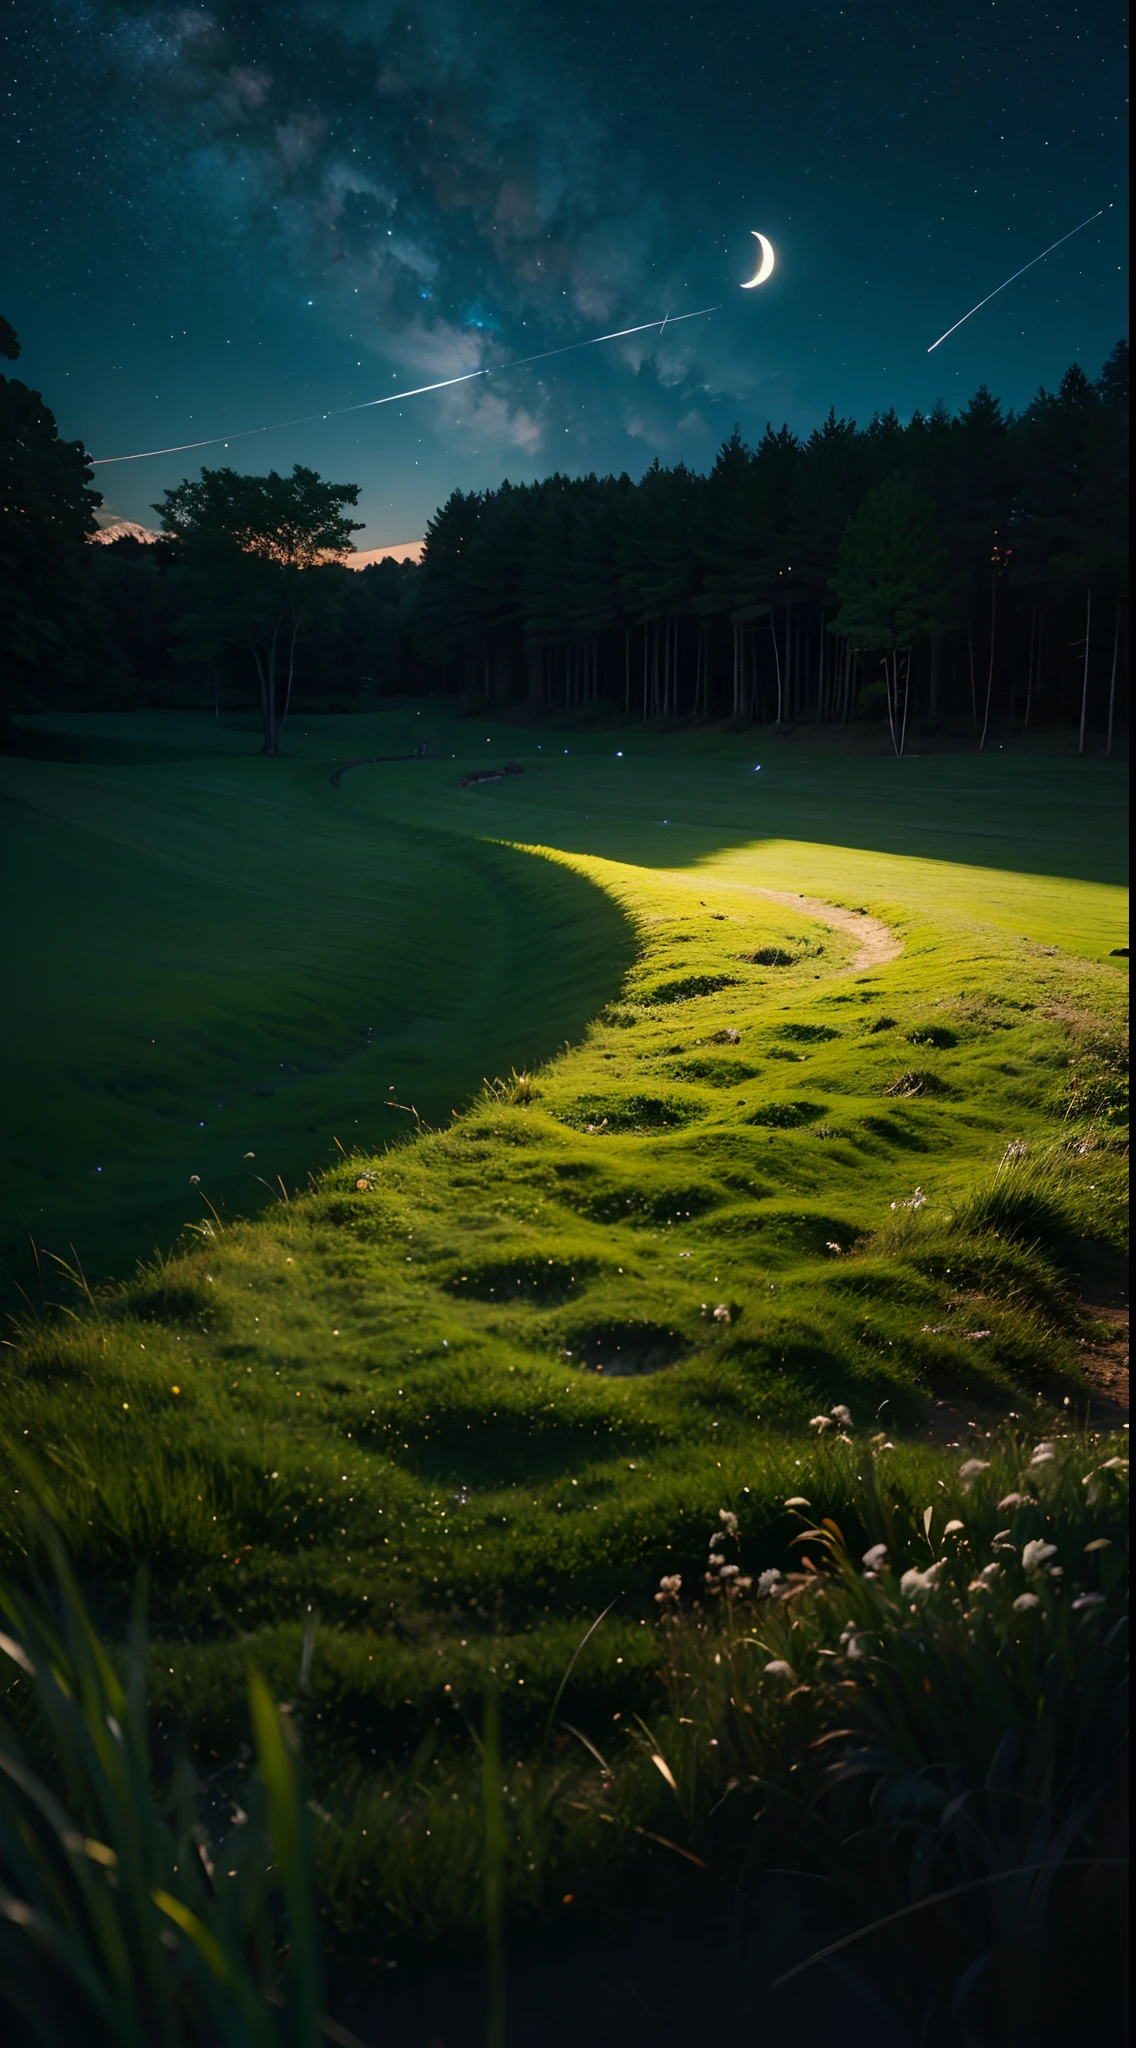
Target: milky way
261	210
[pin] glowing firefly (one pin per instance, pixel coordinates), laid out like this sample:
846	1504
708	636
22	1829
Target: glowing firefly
765	264
396	397
1018	273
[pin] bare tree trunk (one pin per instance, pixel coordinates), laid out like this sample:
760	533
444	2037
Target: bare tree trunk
262	682
990	669
1029	669
906	698
891	710
1085	676
645	632
296	618
777	659
271	729
1112	680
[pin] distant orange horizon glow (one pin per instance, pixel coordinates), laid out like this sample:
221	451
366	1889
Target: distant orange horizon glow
399	550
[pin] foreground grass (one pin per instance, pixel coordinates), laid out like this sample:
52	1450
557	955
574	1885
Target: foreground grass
901	1775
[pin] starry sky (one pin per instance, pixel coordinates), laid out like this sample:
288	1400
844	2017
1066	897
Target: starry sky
218	217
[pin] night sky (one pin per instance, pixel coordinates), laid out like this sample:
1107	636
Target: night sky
217	217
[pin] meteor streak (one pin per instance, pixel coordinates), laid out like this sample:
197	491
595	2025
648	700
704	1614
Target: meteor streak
395	397
1017	274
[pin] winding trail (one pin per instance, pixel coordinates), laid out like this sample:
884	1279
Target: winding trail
878	944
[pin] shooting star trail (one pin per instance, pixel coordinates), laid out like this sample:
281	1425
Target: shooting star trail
1017	274
395	397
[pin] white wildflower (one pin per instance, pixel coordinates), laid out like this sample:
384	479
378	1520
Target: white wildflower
991	1571
1043	1454
970	1470
873	1558
841	1415
730	1520
1035	1554
797	1500
1025	1602
722	1313
779	1669
1009	1500
1085	1601
730	1571
768	1582
913	1583
819	1422
952	1528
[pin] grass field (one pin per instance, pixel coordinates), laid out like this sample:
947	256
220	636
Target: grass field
740	1159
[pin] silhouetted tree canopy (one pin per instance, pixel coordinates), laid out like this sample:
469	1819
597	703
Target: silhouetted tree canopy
47	509
258	558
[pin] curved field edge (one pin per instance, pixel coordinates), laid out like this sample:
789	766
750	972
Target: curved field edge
506	1366
217	975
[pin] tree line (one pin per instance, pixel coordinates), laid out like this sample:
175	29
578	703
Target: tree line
970	566
967	568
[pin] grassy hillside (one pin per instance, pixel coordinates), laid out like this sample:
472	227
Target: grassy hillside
215	956
806	1100
786	1165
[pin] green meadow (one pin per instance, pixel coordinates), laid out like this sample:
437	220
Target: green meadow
466	1195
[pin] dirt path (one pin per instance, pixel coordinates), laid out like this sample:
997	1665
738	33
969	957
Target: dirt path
877	943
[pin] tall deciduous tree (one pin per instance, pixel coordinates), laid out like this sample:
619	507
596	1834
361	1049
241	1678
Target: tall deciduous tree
250	551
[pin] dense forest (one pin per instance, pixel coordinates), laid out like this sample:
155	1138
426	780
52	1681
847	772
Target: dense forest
966	571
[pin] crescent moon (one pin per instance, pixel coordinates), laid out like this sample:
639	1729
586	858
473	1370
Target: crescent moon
766	264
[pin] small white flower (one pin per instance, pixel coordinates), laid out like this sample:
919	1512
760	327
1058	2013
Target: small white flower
768	1582
730	1571
779	1669
1009	1500
913	1582
841	1415
1035	1554
970	1470
730	1520
1086	1601
952	1528
714	1560
819	1422
797	1500
1043	1454
722	1312
991	1571
852	1647
874	1557
1026	1601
